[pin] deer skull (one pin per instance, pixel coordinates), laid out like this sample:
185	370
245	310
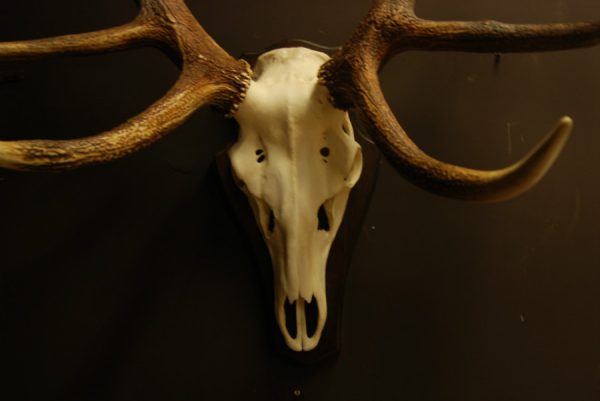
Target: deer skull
296	160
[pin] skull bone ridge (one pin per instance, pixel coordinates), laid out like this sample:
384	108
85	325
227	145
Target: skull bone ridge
296	160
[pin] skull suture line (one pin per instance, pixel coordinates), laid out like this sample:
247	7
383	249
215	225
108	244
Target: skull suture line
296	160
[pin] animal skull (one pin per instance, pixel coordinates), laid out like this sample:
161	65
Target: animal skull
296	160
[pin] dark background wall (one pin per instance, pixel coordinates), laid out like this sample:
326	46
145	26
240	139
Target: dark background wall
132	281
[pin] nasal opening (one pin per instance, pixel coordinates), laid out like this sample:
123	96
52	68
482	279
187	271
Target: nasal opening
290	318
311	312
301	324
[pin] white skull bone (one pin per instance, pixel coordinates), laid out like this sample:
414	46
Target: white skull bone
296	160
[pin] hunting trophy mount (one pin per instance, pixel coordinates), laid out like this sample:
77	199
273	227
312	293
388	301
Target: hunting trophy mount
303	158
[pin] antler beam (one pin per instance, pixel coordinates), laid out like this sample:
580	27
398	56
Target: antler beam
119	38
498	37
392	27
209	76
186	96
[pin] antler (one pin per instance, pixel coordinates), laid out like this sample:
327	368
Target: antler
208	76
390	27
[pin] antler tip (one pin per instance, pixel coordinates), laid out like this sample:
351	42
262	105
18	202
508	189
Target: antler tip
566	122
561	133
526	173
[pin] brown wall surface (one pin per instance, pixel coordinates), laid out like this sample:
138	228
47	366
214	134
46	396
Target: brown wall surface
132	280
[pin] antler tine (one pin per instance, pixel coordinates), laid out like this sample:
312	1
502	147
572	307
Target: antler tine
112	39
186	96
390	27
499	37
209	76
455	181
402	30
135	33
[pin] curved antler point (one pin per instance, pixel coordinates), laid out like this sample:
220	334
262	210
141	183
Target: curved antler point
566	121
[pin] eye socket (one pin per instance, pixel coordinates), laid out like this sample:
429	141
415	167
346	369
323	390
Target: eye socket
271	223
323	223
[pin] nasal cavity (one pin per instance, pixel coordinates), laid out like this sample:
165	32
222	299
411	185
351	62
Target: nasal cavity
310	318
311	311
323	223
290	318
